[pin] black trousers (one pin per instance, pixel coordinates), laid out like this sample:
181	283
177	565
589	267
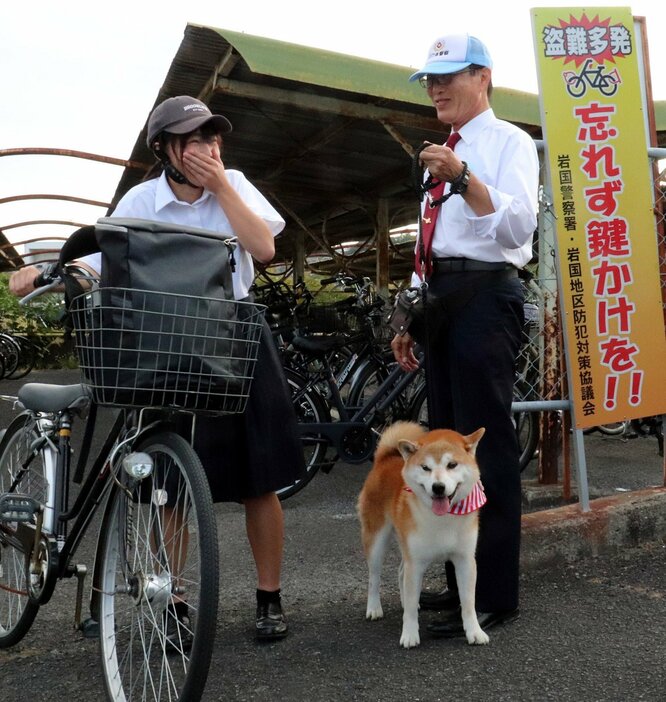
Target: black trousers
471	353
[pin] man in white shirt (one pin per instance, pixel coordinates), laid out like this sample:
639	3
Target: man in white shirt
481	234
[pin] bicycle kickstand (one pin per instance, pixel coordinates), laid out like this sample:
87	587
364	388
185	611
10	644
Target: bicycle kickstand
80	571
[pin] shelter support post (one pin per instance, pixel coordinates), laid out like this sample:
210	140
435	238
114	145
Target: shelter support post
299	255
382	239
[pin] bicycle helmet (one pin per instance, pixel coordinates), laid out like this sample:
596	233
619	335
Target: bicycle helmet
181	115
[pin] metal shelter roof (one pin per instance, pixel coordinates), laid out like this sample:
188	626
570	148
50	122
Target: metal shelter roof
326	137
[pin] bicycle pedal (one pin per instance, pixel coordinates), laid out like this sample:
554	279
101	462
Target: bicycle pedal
15	507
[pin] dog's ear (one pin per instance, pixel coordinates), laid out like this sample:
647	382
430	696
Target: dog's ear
472	440
407	448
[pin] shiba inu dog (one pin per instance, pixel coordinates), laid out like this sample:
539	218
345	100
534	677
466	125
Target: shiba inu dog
425	487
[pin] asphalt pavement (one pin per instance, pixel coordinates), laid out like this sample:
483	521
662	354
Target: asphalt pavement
592	624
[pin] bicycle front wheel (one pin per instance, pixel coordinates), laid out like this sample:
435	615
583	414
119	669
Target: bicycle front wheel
22	470
159	578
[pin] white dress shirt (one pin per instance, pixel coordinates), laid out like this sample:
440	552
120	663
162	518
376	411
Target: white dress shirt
154	200
505	159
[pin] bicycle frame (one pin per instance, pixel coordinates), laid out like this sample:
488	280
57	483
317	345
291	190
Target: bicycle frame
335	432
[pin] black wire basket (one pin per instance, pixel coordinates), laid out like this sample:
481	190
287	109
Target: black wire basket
138	348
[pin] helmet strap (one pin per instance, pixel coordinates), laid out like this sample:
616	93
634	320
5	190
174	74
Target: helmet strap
175	175
171	171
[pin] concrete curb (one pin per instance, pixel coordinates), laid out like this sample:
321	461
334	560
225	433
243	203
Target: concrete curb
564	534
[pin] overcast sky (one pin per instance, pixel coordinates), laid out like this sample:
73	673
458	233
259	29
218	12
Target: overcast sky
84	75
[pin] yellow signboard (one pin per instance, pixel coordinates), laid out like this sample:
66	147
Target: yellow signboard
607	254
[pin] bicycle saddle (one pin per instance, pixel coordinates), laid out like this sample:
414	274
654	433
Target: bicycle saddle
43	397
320	345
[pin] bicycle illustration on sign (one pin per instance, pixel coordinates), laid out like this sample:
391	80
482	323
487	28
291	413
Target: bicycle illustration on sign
578	83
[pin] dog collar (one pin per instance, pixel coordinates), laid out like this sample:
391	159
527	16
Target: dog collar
473	502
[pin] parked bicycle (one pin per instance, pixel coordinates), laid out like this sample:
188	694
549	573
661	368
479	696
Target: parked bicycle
349	426
352	333
334	427
157	544
17	355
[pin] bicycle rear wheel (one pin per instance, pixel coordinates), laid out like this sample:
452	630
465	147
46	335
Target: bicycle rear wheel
158	547
527	427
11	352
310	408
17	610
26	360
613	429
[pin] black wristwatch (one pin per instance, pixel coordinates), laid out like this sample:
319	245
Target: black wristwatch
459	184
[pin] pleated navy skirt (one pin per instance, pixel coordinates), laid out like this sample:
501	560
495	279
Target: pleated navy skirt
259	451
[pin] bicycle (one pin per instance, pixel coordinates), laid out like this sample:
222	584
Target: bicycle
10	353
157	543
351	334
577	83
379	395
350	426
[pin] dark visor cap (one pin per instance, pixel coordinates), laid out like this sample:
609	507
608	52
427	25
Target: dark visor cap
181	115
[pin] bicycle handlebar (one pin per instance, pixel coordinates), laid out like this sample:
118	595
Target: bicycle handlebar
48	278
51	277
47	275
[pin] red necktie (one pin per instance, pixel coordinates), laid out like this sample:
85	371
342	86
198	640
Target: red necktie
429	217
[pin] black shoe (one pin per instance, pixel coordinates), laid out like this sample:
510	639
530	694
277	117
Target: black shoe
90	628
453	626
440	601
271	622
179	628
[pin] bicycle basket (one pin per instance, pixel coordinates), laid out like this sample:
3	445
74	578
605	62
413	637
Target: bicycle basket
139	348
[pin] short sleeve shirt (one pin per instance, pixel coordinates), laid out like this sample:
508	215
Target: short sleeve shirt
154	200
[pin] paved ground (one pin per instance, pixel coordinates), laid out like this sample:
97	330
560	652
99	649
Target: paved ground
591	629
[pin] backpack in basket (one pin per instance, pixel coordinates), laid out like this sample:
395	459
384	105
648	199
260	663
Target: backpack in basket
164	329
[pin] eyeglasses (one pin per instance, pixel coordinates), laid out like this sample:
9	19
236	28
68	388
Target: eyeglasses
431	80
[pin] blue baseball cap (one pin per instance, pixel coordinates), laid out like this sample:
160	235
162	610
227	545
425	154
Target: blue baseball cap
454	53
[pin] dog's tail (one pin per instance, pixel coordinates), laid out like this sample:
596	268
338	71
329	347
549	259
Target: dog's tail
388	443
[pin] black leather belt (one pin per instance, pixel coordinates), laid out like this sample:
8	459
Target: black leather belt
461	265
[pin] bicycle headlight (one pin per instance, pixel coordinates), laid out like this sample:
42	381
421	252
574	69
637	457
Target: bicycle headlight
138	465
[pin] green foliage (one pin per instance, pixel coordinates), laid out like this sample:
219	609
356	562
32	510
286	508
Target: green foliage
39	316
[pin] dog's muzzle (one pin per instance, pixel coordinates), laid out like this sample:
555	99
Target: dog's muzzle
439	490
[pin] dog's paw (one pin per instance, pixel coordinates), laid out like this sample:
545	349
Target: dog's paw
409	639
373	613
477	637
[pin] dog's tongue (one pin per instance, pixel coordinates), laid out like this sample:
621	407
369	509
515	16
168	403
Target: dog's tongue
440	505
